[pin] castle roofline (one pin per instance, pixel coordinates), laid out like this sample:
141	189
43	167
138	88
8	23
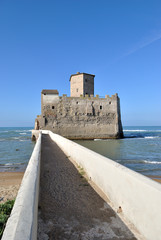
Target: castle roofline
78	73
48	91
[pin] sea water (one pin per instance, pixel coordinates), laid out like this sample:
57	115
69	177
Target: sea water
15	148
139	150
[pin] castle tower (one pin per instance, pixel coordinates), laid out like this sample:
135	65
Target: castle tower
81	84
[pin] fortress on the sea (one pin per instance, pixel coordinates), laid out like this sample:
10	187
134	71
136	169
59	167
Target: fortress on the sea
82	115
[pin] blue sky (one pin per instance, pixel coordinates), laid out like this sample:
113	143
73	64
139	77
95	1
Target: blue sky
43	42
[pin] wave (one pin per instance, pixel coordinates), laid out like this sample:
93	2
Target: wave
131	137
140	130
152	137
140	137
2	139
20	138
12	164
152	162
130	161
25	130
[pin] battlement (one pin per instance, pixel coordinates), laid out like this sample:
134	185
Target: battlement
92	97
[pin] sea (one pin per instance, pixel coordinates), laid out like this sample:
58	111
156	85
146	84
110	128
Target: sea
15	148
139	150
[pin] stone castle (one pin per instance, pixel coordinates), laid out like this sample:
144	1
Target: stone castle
82	115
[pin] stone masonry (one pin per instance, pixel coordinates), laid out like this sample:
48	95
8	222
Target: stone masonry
83	115
81	84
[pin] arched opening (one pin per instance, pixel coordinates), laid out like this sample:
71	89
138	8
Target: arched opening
33	138
37	125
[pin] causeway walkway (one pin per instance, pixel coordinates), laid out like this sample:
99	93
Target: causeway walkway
69	207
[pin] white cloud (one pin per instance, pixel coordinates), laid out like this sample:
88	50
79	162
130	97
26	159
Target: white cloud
143	44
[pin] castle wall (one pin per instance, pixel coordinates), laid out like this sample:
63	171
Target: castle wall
82	117
49	98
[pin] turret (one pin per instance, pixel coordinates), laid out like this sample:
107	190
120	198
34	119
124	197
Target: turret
81	84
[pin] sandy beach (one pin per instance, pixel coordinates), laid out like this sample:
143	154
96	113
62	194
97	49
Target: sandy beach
9	185
156	178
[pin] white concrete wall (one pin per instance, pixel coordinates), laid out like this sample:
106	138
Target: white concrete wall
138	196
22	224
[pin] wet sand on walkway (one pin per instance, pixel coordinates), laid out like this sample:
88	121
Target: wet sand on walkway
10	183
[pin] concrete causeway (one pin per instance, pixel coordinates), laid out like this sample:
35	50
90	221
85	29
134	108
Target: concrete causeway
69	207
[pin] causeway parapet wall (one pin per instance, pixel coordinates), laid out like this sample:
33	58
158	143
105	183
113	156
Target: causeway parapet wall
138	197
22	224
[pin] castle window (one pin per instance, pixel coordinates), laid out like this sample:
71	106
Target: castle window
77	90
100	107
76	102
44	93
53	107
109	102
